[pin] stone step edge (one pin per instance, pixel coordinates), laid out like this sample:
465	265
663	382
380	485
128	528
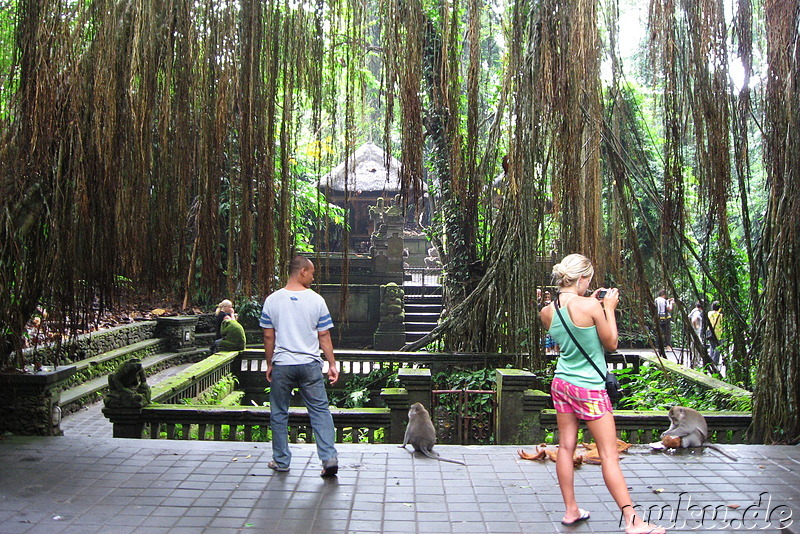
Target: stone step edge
74	395
80	365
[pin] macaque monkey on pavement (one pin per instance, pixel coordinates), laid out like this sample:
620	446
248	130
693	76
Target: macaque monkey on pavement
421	434
689	429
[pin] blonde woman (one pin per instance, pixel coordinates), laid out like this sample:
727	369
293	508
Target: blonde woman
578	390
224	312
224	309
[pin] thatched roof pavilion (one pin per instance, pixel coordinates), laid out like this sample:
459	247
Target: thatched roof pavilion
368	179
366	171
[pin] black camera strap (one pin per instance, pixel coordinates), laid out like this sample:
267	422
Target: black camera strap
558	311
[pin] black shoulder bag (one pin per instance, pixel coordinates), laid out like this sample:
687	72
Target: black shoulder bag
613	387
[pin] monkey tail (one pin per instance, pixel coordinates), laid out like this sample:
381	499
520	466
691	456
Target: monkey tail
435	456
721	450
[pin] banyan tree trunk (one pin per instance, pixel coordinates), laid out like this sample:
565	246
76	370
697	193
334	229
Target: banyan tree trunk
776	406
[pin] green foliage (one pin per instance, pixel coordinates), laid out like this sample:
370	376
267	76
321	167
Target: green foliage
310	208
356	392
259	433
482	379
653	389
262	433
250	312
8	82
215	393
648	390
361	435
479	405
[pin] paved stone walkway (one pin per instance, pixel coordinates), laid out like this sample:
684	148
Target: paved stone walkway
85	484
90	421
88	482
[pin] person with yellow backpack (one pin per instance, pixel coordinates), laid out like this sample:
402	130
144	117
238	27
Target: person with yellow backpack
714	331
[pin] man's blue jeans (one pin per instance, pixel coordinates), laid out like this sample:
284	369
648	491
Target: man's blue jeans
309	378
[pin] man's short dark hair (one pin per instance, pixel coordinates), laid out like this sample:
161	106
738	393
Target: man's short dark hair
298	262
662	292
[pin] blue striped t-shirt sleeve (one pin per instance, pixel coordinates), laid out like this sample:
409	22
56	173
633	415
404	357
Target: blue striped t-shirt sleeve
325	322
265	321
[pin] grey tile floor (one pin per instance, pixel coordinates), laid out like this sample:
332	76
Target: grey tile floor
87	484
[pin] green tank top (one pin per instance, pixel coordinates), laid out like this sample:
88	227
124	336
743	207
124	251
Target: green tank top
572	366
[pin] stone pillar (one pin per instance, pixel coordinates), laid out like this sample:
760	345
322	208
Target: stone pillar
394	251
127	422
533	402
386	240
394	217
396	399
509	417
179	331
419	384
29	402
389	336
391	331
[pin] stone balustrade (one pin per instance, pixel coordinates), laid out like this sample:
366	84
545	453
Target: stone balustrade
250	366
523	416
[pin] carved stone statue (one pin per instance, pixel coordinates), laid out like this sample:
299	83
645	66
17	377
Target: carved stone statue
392	304
377	212
386	242
127	386
395	210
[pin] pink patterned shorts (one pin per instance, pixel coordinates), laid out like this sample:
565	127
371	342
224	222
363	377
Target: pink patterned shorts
586	404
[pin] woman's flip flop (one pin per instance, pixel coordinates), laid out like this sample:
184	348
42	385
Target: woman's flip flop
583	517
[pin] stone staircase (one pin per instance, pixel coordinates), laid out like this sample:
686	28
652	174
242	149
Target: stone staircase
104	351
423	307
154	359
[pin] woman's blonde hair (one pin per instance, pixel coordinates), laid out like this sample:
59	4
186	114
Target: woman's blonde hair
224	304
570	269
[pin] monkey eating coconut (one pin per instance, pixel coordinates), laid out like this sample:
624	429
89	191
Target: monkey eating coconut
688	429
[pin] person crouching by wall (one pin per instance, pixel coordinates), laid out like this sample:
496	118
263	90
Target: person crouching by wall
229	333
224	309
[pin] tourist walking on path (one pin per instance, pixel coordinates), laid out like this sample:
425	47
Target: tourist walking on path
714	331
697	320
664	309
297	324
578	390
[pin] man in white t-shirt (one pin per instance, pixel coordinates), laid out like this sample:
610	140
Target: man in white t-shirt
297	324
696	319
664	309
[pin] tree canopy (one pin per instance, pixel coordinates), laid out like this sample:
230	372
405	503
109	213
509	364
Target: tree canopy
178	146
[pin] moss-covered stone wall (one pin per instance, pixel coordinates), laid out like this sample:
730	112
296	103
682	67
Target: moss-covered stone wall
88	345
